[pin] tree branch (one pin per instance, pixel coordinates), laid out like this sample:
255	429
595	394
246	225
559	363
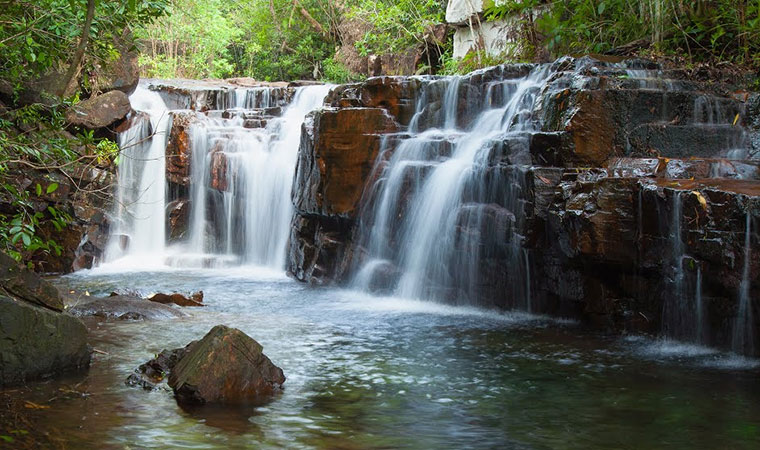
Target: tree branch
79	55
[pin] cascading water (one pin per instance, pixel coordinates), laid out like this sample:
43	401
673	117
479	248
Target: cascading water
451	201
138	224
240	180
743	339
241	183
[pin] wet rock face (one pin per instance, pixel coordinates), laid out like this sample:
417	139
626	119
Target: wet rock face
225	367
338	151
37	339
589	224
609	251
178	151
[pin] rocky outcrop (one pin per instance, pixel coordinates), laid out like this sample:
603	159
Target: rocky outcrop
121	74
633	187
101	111
37	339
79	202
225	367
338	150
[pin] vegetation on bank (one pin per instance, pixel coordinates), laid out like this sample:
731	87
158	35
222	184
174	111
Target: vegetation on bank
701	30
49	51
291	39
279	39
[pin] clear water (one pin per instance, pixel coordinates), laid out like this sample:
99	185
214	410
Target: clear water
373	372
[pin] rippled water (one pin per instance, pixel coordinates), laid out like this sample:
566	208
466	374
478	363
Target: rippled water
367	372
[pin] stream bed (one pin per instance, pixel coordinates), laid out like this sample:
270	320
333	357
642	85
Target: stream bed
370	372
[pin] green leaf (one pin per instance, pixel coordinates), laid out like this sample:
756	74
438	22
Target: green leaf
15	230
51	188
38	189
27	239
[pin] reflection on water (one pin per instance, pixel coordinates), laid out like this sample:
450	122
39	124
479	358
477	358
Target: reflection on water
386	373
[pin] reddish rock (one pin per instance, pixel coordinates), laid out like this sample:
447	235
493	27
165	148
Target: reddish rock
226	367
219	169
338	151
178	150
179	218
195	299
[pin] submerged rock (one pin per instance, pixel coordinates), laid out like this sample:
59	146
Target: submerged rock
226	366
37	339
152	373
122	307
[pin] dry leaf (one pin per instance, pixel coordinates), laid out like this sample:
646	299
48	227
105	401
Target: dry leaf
701	199
32	405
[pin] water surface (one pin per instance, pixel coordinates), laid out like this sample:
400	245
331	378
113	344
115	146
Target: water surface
366	372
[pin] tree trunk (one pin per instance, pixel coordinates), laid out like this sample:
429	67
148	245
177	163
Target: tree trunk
314	23
79	54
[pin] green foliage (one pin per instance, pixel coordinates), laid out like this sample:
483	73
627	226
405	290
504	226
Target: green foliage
190	42
40	35
702	30
396	25
19	232
336	72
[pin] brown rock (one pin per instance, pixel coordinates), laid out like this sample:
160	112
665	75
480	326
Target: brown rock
101	111
123	73
195	299
178	151
340	149
219	169
228	367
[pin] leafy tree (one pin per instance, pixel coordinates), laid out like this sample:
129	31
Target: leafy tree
701	30
192	41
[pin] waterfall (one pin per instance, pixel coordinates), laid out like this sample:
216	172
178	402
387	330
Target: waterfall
743	338
683	309
138	224
439	204
241	183
242	161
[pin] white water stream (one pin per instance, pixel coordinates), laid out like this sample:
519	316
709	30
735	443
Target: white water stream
240	183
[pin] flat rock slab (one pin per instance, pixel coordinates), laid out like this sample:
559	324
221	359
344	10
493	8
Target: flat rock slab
121	307
225	367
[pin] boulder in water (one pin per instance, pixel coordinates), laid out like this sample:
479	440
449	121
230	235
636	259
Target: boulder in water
195	299
228	367
37	339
